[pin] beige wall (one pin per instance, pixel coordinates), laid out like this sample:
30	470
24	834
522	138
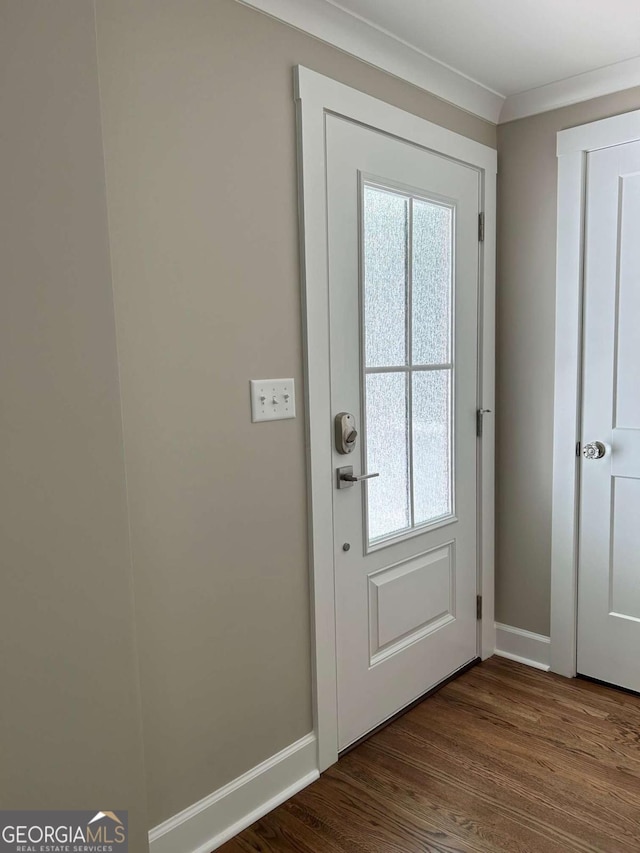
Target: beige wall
199	134
70	734
527	172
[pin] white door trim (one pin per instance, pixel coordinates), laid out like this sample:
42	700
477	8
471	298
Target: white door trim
573	145
316	96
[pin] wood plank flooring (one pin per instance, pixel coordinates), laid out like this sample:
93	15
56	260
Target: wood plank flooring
504	758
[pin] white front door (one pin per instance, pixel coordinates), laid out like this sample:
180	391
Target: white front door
403	278
609	548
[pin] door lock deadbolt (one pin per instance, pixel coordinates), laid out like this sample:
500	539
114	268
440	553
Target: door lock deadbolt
346	433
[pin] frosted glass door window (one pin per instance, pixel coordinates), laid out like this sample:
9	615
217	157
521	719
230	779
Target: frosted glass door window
431	283
431	424
407	252
385	274
388	453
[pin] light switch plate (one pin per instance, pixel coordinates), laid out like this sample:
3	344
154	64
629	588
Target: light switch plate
272	399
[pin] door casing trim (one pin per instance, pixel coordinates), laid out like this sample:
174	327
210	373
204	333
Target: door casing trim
316	96
573	146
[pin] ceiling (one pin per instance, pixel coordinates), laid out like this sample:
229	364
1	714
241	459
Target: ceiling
499	59
511	46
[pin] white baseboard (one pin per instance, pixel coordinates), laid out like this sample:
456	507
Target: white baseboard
206	825
523	646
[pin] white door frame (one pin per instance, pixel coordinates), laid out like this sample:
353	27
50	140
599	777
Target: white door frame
573	145
316	96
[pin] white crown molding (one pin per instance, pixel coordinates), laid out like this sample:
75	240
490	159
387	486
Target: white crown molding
328	22
573	90
334	25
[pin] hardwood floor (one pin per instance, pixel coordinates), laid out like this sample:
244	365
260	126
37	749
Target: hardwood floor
505	758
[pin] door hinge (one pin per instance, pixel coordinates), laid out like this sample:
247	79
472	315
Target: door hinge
481	227
578	450
478	607
480	413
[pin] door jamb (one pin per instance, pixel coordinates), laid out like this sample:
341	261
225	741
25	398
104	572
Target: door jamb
316	96
573	146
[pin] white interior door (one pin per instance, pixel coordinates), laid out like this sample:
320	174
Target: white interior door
403	277
609	550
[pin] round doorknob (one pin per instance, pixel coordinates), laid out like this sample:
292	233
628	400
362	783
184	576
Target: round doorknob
594	450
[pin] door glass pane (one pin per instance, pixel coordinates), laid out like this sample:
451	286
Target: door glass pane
385	277
408	408
388	495
431	287
431	422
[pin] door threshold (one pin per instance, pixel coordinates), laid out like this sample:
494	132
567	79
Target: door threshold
407	708
608	684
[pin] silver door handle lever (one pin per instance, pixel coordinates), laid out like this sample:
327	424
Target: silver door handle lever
347	478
